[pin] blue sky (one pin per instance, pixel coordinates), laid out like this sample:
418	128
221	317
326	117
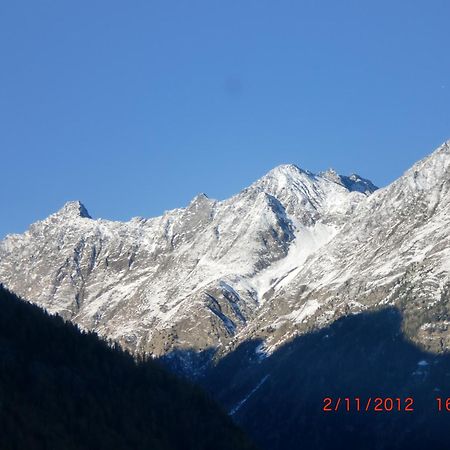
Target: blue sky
135	107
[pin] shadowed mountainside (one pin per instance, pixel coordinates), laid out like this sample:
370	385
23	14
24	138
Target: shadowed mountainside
278	399
63	389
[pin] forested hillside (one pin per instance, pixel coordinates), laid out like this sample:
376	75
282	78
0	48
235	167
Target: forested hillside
64	389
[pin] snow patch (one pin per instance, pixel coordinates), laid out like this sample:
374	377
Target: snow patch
307	241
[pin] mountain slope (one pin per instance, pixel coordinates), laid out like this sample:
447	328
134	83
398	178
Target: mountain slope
193	278
279	399
60	389
394	250
291	253
271	296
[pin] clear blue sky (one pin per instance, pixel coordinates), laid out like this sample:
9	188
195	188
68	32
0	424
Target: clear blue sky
134	107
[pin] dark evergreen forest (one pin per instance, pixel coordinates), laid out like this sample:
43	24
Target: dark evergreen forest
61	388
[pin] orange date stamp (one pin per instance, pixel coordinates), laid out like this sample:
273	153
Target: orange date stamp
378	404
369	404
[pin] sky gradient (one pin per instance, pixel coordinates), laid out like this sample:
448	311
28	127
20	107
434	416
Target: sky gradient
135	107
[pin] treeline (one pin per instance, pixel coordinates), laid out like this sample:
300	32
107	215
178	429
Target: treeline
64	389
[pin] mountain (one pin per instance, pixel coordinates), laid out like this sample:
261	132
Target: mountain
194	278
393	250
63	389
291	253
301	286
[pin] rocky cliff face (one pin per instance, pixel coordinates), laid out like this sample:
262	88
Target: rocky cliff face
292	252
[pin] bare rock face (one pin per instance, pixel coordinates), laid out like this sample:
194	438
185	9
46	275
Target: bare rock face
292	252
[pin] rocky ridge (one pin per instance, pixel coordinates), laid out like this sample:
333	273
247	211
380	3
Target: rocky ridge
292	252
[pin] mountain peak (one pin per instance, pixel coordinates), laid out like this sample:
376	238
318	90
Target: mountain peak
332	175
429	171
200	199
353	182
74	209
285	174
288	169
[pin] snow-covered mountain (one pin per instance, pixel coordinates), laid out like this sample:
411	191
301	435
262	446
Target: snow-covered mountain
292	252
394	250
